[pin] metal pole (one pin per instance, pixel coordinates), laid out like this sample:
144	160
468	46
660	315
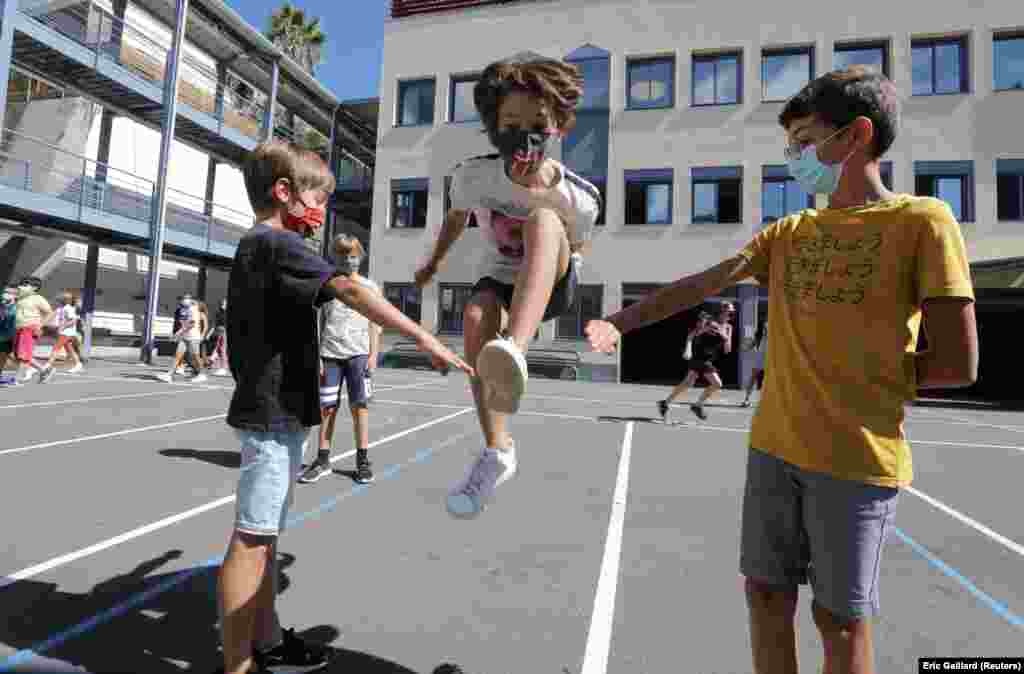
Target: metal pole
160	211
10	10
268	122
92	263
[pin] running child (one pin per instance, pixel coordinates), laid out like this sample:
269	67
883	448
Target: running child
67	332
275	287
849	286
33	312
349	344
536	216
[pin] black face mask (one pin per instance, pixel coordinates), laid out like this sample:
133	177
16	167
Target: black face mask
534	145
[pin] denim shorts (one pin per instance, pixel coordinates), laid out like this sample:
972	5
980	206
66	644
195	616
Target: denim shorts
270	465
801	527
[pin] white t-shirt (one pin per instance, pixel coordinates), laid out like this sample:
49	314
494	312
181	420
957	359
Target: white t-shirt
64	314
501	206
344	332
194	333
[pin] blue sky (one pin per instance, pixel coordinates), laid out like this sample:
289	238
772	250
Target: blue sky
355	34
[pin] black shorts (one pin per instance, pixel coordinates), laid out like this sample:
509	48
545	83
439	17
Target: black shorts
562	295
350	371
703	367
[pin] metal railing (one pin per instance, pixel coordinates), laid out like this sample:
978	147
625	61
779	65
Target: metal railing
117	40
33	165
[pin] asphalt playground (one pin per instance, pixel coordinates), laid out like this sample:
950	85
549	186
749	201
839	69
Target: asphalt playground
614	550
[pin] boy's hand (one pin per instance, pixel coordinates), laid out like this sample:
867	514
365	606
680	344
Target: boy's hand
602	335
424	274
440	355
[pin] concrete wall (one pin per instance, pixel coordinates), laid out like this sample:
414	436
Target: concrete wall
981	125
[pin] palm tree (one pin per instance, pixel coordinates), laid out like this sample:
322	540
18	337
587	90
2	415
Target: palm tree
300	40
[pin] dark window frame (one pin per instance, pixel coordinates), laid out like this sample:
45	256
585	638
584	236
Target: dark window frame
460	79
668	180
671	59
715	58
932	43
575	313
884	45
967	189
1015	178
785	51
452	325
717	182
1004	36
399	104
396	193
784	180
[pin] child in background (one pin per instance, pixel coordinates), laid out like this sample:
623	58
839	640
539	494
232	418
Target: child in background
8	321
67	331
33	313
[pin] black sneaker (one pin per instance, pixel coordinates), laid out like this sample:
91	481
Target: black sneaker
663	409
364	474
315	471
46	374
448	668
699	411
293	655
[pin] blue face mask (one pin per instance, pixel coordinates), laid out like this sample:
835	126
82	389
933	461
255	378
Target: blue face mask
814	175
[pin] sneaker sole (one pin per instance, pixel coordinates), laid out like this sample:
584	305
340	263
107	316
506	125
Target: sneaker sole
365	480
310	480
503	377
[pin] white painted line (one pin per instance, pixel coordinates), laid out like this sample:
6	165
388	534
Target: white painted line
101	436
964	444
174	519
974	524
599	637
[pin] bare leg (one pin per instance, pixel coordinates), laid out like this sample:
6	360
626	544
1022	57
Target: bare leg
3	361
267	631
683	386
328	415
547	259
849	647
481	324
754	377
772	628
713	387
244	605
360	426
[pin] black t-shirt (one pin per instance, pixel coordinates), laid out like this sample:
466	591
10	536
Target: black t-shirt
708	346
274	291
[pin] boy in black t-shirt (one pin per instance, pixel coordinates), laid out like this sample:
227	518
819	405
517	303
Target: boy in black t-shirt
276	285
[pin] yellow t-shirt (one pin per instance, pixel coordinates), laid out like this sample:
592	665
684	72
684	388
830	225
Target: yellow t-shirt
845	293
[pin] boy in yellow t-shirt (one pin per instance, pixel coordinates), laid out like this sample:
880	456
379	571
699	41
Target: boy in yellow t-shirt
849	286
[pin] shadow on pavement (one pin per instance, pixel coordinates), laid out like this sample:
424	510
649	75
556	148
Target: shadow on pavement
218	457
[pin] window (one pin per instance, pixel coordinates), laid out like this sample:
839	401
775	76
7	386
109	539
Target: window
586	307
874	54
951	181
461	107
649	83
717	195
1008	62
1010	189
453	300
649	197
785	71
716	79
409	202
781	195
406	297
939	66
416	102
448	202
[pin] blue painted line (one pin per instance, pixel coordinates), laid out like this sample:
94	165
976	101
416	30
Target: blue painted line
997	607
26	655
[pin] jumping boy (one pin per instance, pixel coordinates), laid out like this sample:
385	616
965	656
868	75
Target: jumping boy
536	216
274	289
849	285
348	354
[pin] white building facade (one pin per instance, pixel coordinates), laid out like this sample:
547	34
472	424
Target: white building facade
679	128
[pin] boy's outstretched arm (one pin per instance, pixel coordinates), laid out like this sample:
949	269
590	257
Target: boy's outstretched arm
453	227
687	292
383	313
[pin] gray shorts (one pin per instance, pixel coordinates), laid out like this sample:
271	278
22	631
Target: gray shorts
801	527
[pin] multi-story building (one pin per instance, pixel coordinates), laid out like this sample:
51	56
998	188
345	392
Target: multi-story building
679	130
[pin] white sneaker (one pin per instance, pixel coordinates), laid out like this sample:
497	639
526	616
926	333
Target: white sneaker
76	369
166	377
198	379
221	372
501	367
180	370
470	496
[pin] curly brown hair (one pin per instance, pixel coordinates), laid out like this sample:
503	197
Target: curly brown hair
557	83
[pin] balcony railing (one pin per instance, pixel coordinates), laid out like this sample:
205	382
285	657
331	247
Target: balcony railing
36	166
119	41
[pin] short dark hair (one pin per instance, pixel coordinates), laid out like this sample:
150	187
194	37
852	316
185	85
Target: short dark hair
841	96
275	159
558	83
33	281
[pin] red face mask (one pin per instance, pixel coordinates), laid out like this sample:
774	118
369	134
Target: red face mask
307	223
